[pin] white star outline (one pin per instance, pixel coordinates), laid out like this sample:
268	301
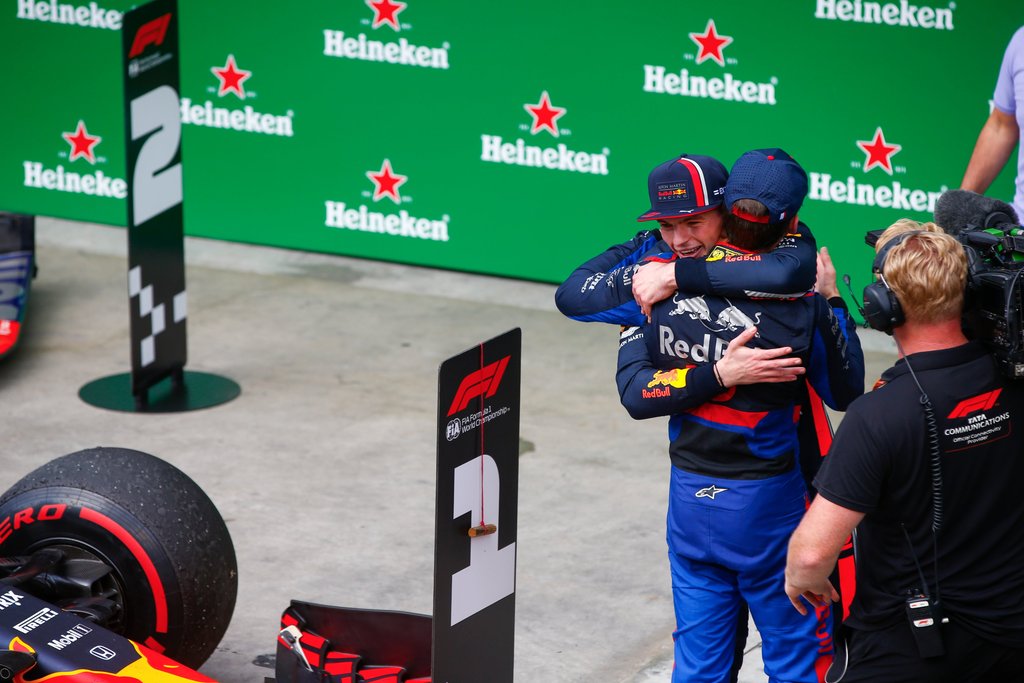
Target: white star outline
709	492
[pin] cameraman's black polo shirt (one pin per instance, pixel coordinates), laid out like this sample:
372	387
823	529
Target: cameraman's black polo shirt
879	465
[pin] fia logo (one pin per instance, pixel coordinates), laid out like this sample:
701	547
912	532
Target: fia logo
453	429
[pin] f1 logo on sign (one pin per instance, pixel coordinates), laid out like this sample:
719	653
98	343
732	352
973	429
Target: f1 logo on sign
476	524
482	383
150	33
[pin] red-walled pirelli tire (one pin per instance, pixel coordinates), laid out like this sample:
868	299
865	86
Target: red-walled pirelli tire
174	572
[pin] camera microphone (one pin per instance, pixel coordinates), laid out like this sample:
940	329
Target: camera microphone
856	299
956	210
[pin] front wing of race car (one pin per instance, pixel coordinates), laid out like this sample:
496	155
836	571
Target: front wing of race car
62	646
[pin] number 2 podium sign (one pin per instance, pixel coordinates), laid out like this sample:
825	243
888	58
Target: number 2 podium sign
477	496
156	257
156	247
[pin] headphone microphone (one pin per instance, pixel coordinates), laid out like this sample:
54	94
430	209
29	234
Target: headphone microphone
849	288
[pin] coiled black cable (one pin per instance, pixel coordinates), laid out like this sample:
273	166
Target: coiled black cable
935	460
935	467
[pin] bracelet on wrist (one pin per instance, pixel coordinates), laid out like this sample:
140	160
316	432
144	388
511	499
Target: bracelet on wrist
718	375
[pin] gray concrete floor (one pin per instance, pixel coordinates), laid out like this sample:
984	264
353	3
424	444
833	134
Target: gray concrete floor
323	468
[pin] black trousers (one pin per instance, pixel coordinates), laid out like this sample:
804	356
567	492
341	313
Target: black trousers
890	656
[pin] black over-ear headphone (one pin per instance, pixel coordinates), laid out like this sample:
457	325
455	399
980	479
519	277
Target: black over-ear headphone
882	310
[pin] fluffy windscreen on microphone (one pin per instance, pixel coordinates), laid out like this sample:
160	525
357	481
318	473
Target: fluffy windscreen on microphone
959	209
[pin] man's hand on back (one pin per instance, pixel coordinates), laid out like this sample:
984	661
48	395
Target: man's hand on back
744	365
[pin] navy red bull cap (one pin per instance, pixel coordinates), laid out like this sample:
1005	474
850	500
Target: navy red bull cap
771	177
685	186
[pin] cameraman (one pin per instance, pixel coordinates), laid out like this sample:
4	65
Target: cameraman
878	479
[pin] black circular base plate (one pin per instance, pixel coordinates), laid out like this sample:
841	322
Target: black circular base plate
197	390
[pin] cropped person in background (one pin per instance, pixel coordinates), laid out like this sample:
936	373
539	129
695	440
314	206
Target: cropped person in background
1001	133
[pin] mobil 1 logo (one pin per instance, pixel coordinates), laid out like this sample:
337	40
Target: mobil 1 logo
155	224
477	497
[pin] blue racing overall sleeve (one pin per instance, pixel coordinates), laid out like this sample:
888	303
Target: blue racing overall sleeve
789	269
601	289
835	367
647	391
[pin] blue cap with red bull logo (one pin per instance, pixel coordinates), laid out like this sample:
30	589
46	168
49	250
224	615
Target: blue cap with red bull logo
685	186
771	177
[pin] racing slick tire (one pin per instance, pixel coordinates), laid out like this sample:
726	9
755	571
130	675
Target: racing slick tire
174	576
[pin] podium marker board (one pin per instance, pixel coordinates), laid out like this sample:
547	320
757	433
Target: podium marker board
158	302
477	497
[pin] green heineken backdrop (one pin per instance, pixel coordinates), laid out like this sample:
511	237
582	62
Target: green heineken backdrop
503	138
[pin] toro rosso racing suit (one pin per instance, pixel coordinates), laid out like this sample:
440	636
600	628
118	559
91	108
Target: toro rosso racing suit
600	290
736	493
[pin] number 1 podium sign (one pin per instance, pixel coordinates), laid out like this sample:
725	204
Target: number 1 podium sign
477	497
470	638
156	252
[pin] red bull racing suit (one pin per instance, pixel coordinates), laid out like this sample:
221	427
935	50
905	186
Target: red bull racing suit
736	492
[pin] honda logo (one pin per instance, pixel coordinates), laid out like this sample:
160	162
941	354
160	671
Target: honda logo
102	652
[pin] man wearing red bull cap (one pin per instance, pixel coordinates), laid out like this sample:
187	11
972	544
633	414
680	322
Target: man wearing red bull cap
686	194
736	490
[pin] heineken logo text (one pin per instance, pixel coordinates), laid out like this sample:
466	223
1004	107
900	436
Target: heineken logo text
559	158
248	119
401	52
89	16
893	196
658	79
401	224
96	183
890	13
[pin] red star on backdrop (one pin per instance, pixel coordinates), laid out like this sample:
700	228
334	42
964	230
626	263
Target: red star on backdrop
386	12
82	143
386	182
710	44
231	78
879	153
544	115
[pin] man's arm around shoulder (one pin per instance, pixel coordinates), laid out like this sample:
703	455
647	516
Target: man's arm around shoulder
789	269
600	289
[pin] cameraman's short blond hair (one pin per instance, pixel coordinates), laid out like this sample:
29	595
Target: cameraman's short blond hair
927	272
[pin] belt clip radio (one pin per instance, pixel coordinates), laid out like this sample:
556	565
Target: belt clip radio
925	618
